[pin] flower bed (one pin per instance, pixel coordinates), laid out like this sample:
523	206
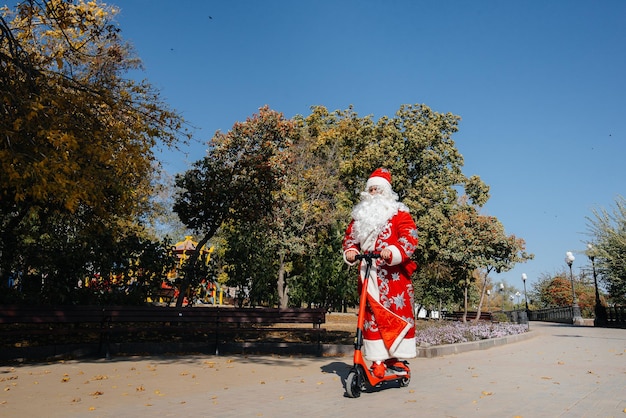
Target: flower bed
452	332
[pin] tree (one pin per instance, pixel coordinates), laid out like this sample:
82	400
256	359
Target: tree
322	278
416	145
330	156
608	231
475	242
78	138
304	216
237	181
555	290
249	262
435	288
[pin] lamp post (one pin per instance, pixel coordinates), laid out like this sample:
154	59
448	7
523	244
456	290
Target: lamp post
524	277
502	293
488	300
577	317
600	311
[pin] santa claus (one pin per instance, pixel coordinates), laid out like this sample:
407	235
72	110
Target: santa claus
381	224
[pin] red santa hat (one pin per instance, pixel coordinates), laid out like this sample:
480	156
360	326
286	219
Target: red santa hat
380	177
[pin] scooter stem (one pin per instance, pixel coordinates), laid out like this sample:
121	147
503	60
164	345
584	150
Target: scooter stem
358	343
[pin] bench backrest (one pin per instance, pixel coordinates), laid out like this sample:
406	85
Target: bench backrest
14	314
24	314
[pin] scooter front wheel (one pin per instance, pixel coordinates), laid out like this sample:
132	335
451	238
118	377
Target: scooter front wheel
353	384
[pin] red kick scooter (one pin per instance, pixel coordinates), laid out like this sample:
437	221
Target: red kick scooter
361	377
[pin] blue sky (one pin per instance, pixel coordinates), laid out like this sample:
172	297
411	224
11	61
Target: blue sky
540	87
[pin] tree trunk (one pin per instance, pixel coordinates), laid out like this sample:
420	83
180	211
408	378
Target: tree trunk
465	292
480	302
190	270
283	291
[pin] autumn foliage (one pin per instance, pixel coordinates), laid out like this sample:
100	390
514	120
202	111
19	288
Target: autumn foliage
77	146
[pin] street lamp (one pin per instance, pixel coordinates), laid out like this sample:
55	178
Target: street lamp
524	277
502	292
577	317
488	300
600	311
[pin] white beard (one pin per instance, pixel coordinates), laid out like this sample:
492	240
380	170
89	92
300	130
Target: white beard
370	217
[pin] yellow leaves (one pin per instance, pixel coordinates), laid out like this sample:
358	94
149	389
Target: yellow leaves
17	124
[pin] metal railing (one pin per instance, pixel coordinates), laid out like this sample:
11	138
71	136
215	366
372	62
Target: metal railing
616	316
561	314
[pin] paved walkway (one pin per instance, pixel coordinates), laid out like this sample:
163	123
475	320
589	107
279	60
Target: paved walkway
561	371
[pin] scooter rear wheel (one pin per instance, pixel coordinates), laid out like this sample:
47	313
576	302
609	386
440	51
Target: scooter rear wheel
404	382
353	384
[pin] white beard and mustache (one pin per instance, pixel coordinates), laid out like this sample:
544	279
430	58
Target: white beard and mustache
370	217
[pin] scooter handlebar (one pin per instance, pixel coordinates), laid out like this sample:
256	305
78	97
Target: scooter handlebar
367	256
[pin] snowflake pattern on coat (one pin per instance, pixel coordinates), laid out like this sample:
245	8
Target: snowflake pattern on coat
393	280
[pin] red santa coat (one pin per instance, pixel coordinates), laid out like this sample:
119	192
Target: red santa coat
389	329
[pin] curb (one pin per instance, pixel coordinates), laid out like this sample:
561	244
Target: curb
323	350
448	349
438	350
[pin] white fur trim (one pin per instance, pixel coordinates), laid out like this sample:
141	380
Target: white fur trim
376	181
396	255
346	260
372	286
396	343
406	349
374	350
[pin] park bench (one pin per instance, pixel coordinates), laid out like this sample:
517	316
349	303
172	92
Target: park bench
25	328
113	324
458	316
165	294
